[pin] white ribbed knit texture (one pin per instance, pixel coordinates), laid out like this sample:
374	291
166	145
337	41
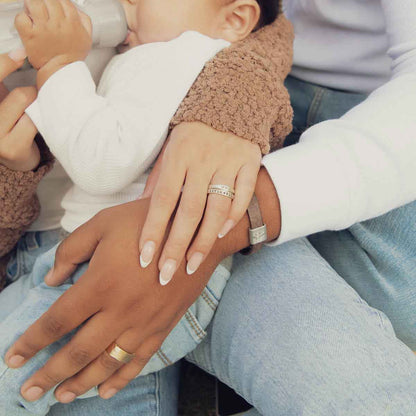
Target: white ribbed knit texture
106	139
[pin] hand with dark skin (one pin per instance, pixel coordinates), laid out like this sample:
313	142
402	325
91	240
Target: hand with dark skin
136	311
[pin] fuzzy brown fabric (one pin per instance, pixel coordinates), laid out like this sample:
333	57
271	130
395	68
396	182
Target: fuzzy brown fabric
19	205
242	89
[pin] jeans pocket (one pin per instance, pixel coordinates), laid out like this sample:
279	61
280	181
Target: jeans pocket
191	329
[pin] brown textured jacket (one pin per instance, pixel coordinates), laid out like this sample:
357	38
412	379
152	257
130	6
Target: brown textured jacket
240	91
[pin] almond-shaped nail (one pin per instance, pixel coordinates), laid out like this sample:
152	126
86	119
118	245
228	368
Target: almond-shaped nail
194	263
147	253
227	227
167	272
18	55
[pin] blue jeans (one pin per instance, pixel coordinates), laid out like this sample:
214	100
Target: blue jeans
27	298
320	327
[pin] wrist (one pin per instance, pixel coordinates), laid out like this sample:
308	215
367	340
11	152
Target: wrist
52	66
238	239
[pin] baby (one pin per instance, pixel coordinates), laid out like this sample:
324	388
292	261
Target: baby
107	138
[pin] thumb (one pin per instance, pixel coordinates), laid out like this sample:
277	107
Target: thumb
74	250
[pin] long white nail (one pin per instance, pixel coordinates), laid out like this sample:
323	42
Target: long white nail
18	55
194	263
147	254
167	272
227	227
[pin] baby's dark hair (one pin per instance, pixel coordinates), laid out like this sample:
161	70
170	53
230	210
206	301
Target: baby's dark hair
269	11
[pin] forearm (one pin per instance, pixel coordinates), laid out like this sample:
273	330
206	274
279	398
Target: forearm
241	90
362	165
238	238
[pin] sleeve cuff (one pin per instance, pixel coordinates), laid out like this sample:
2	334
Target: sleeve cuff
311	190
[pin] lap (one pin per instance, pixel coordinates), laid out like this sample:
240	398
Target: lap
291	336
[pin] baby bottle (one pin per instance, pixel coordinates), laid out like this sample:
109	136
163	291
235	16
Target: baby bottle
109	26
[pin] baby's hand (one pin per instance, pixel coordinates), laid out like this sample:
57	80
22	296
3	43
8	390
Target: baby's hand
53	32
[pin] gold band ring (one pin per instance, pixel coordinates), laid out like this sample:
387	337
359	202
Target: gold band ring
119	354
222	190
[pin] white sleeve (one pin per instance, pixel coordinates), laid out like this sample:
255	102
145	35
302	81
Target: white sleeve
362	165
105	139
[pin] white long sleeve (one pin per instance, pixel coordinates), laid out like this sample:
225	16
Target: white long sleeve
362	165
106	138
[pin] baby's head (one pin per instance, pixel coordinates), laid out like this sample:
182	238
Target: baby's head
163	20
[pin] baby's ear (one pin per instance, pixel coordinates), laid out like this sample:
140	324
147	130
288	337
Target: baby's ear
240	17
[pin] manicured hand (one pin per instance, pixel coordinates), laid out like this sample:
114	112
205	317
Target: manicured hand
18	150
53	30
195	157
118	301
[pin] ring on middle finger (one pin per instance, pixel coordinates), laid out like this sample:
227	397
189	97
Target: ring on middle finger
223	190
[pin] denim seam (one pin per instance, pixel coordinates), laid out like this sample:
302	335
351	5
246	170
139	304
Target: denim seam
314	107
199	332
157	393
207	288
208	301
163	357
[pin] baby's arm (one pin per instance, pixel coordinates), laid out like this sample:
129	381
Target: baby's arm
106	139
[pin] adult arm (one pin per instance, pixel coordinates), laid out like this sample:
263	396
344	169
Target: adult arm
362	165
21	164
241	91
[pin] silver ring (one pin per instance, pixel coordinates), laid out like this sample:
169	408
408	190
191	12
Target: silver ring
222	190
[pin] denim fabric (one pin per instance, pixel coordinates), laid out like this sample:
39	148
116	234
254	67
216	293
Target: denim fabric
291	333
28	298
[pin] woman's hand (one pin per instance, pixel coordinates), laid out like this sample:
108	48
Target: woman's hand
118	301
18	150
195	157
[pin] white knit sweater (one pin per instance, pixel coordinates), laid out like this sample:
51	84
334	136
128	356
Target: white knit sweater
107	138
362	165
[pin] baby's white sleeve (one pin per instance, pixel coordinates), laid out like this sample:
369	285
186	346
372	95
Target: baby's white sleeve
100	141
106	138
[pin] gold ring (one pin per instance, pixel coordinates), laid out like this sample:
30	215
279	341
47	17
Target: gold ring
119	354
222	190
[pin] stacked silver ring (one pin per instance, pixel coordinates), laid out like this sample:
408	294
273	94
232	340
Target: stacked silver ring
222	190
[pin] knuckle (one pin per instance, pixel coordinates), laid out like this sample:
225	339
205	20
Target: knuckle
61	253
79	356
52	327
78	387
26	347
191	209
108	363
50	378
163	197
